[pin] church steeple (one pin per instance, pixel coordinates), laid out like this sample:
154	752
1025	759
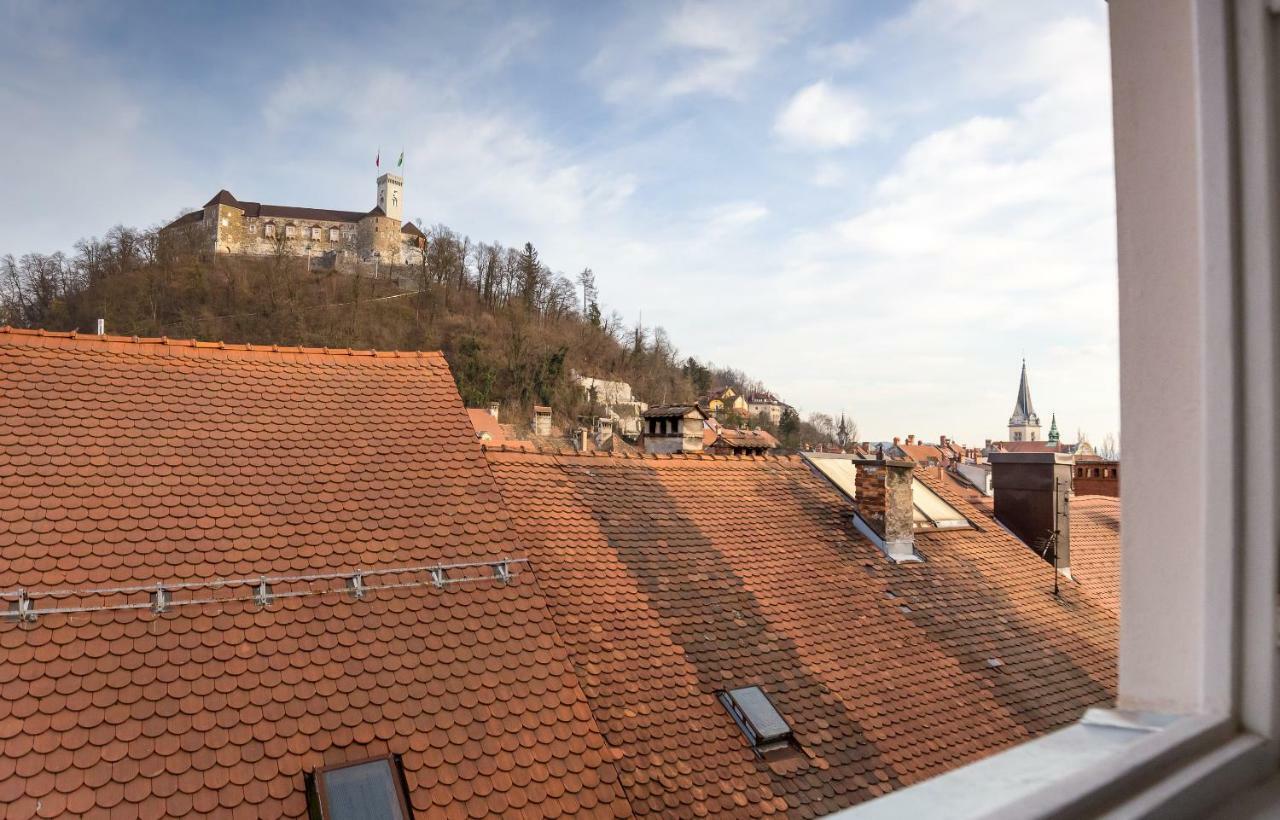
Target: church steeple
1054	436
1024	424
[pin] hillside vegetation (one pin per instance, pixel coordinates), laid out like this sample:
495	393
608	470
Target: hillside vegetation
510	327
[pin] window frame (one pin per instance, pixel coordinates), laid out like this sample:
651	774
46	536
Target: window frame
398	783
760	743
1197	146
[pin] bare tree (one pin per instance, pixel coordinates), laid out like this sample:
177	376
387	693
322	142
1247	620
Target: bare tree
823	424
1108	449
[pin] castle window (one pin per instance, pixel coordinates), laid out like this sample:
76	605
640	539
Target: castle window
225	222
315	232
253	229
289	231
333	234
269	229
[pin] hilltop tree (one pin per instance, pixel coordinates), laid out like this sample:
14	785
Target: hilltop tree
590	303
529	270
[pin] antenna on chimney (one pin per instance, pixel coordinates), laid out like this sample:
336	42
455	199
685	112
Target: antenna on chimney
1051	543
1050	554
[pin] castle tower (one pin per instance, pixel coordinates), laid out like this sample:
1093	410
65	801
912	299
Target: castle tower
391	196
1024	424
1054	435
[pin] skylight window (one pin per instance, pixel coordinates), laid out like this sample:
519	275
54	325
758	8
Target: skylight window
931	512
364	790
758	719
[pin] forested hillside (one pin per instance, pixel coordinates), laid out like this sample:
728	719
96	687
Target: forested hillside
510	327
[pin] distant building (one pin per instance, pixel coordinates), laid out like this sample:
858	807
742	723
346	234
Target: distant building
674	428
761	403
227	225
619	407
724	400
1096	476
1024	424
604	391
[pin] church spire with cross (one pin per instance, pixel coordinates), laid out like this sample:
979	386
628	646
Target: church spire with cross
1024	424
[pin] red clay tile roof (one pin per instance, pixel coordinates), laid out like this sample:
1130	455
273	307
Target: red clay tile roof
922	453
962	487
484	423
673	577
730	437
1095	547
136	462
1031	447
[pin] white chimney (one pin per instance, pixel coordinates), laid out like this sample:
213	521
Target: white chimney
102	327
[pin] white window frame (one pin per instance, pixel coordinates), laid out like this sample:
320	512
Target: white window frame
1196	719
333	234
290	231
315	232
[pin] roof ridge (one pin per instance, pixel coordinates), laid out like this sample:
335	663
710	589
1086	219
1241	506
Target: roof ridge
75	337
629	456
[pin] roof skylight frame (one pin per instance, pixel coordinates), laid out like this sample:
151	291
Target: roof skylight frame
764	726
320	796
922	496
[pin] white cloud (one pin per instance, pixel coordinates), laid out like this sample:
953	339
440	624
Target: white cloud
733	216
990	237
698	47
829	175
823	116
844	54
476	165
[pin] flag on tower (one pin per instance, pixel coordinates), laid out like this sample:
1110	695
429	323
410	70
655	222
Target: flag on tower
377	159
400	162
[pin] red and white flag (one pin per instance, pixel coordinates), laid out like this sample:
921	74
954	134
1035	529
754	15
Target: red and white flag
377	160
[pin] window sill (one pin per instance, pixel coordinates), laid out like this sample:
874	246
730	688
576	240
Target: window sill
1134	764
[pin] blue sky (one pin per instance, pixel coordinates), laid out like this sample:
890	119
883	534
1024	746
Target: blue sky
873	207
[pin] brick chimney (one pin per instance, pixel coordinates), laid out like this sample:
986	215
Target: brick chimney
1033	498
911	439
882	493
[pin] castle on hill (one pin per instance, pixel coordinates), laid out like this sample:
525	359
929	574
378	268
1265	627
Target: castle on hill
227	225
